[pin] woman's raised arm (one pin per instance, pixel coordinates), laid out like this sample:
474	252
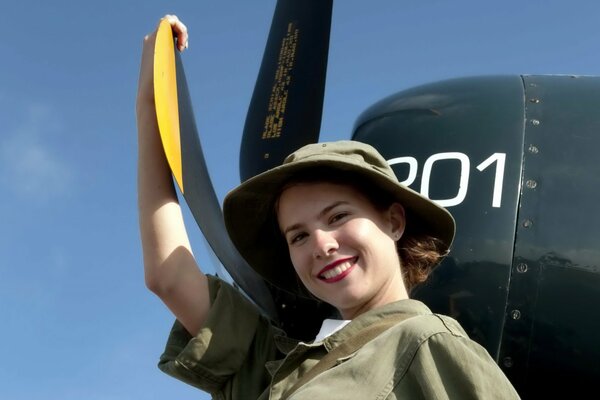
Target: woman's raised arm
170	269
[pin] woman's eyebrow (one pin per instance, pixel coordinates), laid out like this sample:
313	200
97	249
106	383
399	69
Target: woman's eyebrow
321	214
291	228
331	207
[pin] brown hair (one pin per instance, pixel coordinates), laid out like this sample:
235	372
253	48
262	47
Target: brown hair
419	253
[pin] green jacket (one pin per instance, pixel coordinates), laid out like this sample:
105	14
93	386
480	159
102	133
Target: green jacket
240	355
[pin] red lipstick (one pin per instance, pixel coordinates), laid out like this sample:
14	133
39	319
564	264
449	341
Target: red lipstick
333	265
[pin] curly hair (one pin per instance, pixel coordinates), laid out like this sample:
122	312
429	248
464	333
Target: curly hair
419	254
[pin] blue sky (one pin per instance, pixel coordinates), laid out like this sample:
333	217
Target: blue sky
78	320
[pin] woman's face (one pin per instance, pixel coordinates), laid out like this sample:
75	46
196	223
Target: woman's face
342	247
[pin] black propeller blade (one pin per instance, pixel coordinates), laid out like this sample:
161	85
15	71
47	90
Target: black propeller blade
285	114
287	103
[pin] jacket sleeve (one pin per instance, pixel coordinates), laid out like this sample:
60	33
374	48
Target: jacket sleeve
229	353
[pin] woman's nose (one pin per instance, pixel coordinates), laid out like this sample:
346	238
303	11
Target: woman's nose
325	243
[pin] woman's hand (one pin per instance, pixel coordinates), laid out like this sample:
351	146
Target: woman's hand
179	30
145	96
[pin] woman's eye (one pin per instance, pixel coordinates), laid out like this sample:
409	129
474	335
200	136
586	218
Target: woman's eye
338	216
297	238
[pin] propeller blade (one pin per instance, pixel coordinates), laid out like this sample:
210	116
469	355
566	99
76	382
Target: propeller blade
285	114
182	147
287	103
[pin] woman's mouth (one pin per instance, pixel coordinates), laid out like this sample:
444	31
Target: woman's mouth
337	270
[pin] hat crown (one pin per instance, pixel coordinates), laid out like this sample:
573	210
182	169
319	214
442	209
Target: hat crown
360	154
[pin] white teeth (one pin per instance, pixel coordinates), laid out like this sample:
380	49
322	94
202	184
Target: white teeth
338	270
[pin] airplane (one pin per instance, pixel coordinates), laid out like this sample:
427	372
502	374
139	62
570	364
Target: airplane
512	157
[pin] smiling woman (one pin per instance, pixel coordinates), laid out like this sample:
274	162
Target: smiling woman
336	237
419	252
332	222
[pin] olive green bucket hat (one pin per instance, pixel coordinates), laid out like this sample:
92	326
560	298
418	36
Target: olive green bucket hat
249	209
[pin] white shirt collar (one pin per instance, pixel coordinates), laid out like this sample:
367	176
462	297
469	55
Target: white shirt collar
329	327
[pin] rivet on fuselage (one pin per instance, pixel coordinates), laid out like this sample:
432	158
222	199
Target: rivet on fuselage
522	268
533	149
535	122
531	184
527	223
507	362
515	314
535	101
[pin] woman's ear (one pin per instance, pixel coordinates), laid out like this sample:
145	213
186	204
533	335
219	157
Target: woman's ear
398	220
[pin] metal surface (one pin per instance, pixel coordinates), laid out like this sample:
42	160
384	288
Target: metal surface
523	276
443	127
287	102
553	345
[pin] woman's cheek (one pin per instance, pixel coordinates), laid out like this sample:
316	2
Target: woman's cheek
358	232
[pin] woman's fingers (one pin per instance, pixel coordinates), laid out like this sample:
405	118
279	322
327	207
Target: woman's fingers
179	30
145	85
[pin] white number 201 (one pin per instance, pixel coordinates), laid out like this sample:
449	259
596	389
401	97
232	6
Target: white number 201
465	168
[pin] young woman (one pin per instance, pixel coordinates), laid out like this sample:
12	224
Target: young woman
332	220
